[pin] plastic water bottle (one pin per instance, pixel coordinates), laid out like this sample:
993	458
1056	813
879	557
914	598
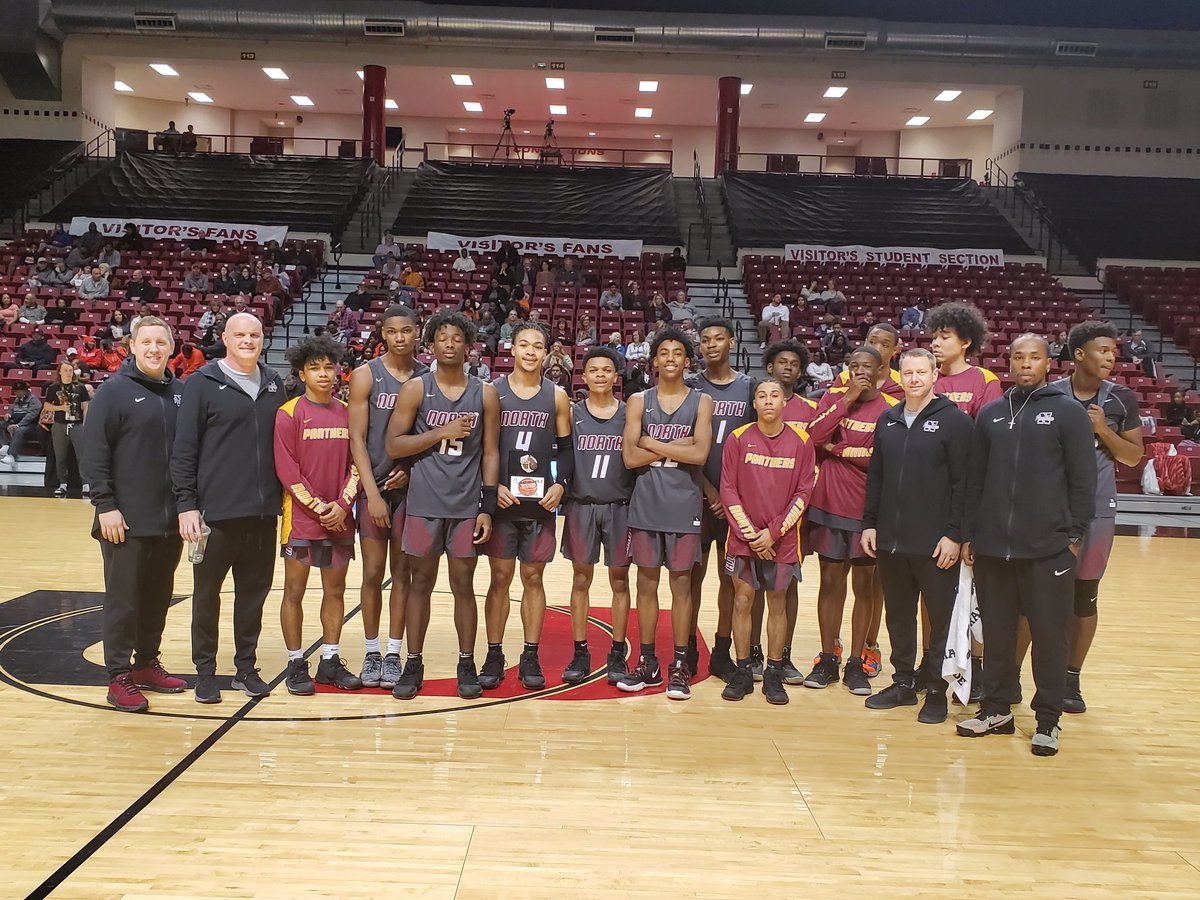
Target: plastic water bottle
196	548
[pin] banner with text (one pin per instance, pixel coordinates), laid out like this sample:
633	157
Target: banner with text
557	246
173	230
907	256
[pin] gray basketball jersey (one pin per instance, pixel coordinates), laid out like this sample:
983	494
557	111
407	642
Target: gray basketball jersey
385	387
666	495
446	479
733	407
527	440
600	473
1121	413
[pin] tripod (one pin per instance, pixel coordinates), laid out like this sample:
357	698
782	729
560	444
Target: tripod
506	141
550	149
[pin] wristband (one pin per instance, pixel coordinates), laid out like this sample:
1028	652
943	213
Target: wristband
488	503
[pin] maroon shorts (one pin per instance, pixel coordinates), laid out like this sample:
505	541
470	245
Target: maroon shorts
762	574
661	549
369	531
319	554
589	526
428	538
1095	550
835	544
529	540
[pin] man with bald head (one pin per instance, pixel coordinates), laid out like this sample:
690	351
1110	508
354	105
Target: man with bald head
223	471
1030	497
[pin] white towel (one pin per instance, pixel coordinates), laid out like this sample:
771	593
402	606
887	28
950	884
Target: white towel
964	625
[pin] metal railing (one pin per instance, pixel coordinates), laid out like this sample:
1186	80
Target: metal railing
84	162
501	154
704	226
253	144
1027	213
880	166
370	212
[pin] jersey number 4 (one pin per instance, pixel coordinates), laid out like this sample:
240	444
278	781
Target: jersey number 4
524	440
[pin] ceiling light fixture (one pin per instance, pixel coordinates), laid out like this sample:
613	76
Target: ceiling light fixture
390	104
835	91
658	135
591	134
200	97
361	75
556	84
643	112
814	118
275	74
122	87
163	69
280	122
462	80
979	115
301	100
947	96
557	109
746	89
525	131
462	129
647	87
917	121
472	106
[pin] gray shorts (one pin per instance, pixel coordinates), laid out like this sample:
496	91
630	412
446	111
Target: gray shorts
589	526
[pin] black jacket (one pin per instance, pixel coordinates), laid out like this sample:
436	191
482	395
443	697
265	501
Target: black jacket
224	460
917	478
127	441
1031	487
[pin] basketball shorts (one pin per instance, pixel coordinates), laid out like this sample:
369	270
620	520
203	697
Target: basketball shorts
762	574
589	526
1095	550
834	538
713	529
428	538
369	531
529	540
319	554
661	549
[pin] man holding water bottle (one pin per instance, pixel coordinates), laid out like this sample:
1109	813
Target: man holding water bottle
223	470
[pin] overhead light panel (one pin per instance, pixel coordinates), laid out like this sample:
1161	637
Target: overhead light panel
390	104
462	129
164	69
917	121
947	96
361	75
746	88
301	100
275	74
835	91
647	87
591	134
556	84
557	110
472	106
200	97
643	112
814	118
122	87
658	135
979	115
462	80
280	122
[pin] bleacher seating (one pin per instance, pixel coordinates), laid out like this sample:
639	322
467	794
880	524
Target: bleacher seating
302	192
552	202
773	210
1125	218
27	165
1167	298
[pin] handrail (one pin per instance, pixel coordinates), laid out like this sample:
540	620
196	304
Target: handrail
370	221
1028	214
341	147
500	154
705	219
89	157
860	165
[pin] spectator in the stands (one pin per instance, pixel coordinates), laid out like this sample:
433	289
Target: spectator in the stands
1178	414
519	301
109	255
611	297
241	304
658	310
637	378
40	271
90	241
913	315
676	262
118	325
244	281
614	344
21	424
187	360
559	376
508	276
391	268
59	311
168	138
469	306
864	327
79	257
1139	352
811	290
558	356
638	349
32	311
59	276
359	299
585	333
682	308
59	239
464	262
1058	345
36	353
633	298
385	247
213	318
115	353
131	239
568	275
688	327
836	345
545	275
412	284
496	294
343	321
489	330
9	311
529	273
267	283
508	327
138	288
225	282
187	140
507	254
91	354
196	280
562	332
773	322
823	327
535	315
393	294
476	367
819	371
835	300
143	310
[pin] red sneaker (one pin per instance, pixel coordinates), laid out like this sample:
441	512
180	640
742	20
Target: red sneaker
155	678
124	695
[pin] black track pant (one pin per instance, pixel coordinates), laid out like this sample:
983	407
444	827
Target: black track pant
139	576
248	547
1043	591
907	577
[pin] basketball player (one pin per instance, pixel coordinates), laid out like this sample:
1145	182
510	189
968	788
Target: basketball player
767	478
1031	495
733	406
448	424
596	512
1117	424
668	432
320	485
533	412
844	429
373	391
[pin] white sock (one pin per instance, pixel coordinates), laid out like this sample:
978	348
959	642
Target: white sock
328	651
394	645
295	654
372	644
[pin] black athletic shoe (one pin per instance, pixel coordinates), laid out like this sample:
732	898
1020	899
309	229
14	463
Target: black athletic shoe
647	673
333	671
721	665
1073	698
410	680
579	668
976	680
773	688
298	681
854	676
206	689
693	658
824	673
492	672
617	668
757	662
469	686
251	684
935	710
738	684
892	696
922	677
529	671
791	675
678	678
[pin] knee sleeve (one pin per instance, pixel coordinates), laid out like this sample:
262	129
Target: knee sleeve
1086	593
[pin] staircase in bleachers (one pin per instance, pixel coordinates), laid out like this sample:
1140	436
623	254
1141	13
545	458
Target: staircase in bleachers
303	192
546	202
1167	298
773	210
27	165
